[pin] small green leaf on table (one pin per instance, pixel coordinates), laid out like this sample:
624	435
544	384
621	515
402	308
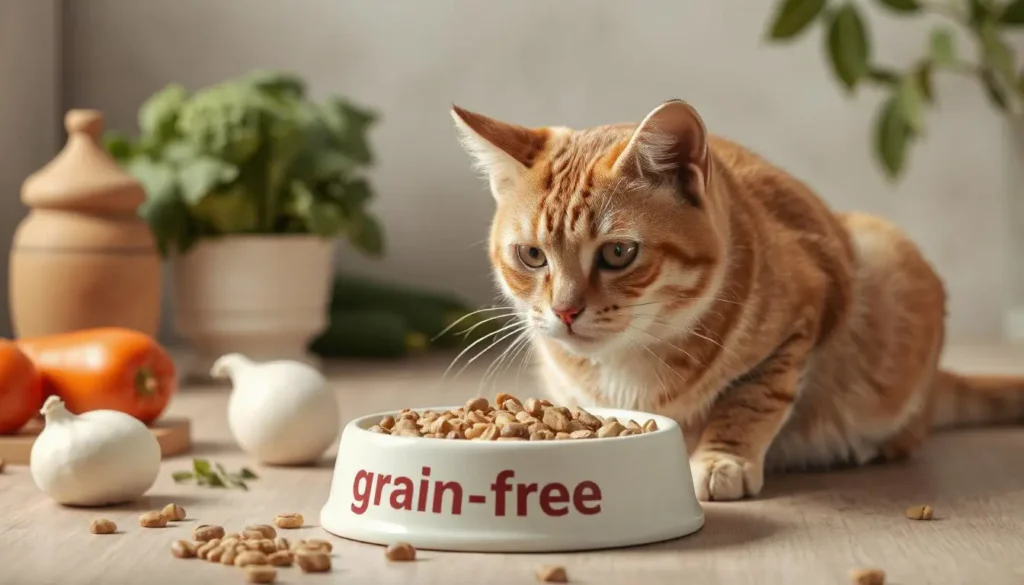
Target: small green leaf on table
208	474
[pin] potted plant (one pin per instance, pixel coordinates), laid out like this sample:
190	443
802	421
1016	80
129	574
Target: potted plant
900	119
249	184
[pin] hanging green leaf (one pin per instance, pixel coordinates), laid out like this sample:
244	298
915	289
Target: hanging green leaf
1012	14
892	137
201	175
980	12
325	218
793	16
942	47
228	211
848	46
368	236
996	53
924	80
158	115
996	93
883	75
906	6
911	103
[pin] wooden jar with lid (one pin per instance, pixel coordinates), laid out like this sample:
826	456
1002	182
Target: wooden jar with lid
83	257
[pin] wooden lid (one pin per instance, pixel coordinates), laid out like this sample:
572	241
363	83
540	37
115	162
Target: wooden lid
83	177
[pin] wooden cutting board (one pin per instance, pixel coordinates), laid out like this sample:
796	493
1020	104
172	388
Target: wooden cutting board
173	434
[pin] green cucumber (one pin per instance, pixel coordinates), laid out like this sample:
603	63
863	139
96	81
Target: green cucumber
427	312
351	291
372	334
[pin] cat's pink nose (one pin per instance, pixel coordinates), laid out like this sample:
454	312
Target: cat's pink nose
568	314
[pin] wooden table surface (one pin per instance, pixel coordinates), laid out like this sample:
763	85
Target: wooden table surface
805	529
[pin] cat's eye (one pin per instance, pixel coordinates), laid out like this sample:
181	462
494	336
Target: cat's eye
617	255
531	256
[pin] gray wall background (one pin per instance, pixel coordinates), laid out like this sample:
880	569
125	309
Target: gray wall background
572	62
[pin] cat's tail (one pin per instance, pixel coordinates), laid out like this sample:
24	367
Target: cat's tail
968	400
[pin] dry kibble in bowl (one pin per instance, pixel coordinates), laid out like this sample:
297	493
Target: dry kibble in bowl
287	521
153	520
552	574
509	419
102	526
261	574
173	512
400	551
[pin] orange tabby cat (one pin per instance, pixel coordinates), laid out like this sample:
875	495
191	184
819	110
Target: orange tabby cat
664	269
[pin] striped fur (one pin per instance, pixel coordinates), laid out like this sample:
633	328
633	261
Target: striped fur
780	334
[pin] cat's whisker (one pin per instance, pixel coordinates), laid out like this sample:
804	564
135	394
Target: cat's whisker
522	363
478	341
492	370
522	343
465	333
670	344
658	357
467	316
522	328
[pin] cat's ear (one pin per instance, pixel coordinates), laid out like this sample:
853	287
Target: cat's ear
503	151
671	141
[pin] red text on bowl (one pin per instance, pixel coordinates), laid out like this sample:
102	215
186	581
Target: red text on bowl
507	496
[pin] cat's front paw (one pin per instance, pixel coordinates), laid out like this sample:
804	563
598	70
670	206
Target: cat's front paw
724	476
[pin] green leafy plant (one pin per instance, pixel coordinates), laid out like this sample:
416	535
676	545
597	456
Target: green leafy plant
251	155
900	119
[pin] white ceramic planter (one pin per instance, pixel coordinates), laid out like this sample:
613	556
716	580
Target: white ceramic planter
262	296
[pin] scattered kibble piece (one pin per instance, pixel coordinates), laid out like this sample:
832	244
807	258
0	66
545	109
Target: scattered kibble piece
317	544
282	543
183	549
153	520
102	526
229	556
266	530
508	419
281	558
174	512
207	532
867	577
261	574
292	520
923	512
313	561
250	557
216	553
400	551
204	549
552	574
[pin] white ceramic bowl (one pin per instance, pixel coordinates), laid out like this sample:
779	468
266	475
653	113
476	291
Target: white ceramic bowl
516	496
